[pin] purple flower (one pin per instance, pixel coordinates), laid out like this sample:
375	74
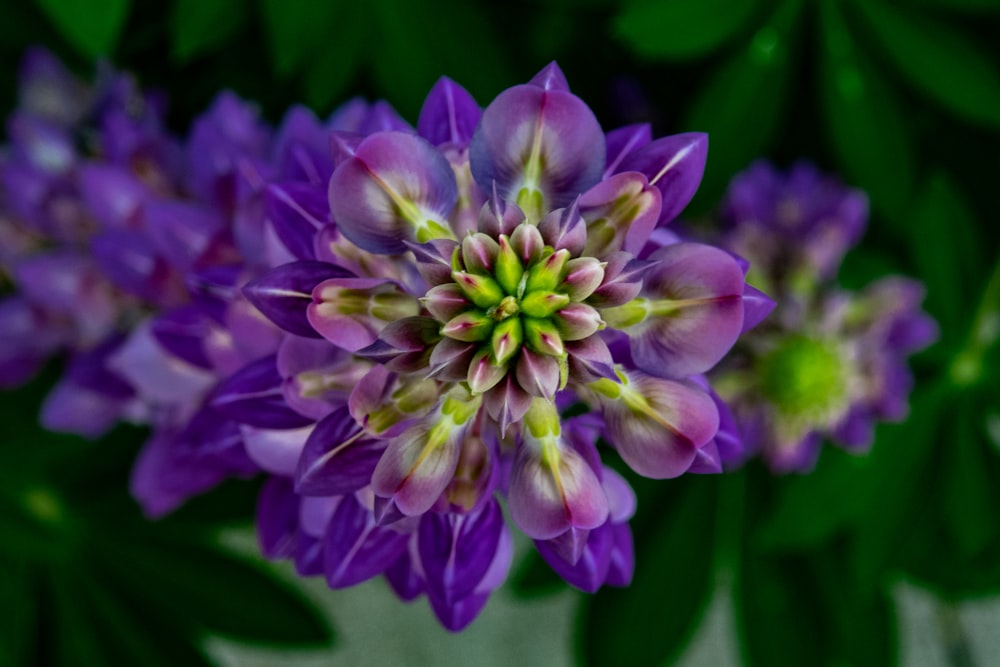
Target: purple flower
828	364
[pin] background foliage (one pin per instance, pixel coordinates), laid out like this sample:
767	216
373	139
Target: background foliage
902	97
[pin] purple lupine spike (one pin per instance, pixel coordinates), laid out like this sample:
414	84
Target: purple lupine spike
542	147
674	165
297	211
456	550
624	141
395	188
284	294
339	457
449	115
254	396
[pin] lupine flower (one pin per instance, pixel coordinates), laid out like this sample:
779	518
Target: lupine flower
391	323
467	283
828	364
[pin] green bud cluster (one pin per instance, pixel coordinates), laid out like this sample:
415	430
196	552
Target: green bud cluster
515	293
806	378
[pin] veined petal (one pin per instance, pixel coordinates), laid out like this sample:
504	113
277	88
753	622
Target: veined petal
355	549
276	451
284	294
756	307
542	147
456	550
396	188
674	165
449	115
656	425
693	297
254	396
297	211
624	141
589	569
338	458
350	312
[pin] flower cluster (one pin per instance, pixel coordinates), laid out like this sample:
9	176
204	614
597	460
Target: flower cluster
828	363
399	326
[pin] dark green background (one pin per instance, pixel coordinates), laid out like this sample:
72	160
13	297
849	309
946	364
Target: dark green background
900	97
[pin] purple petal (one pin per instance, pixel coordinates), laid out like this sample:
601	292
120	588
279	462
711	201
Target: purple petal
355	549
397	187
338	458
674	165
156	375
182	332
300	147
550	78
622	556
284	294
624	141
547	498
660	429
449	114
702	288
297	211
621	213
756	307
253	396
406	581
113	195
275	451
350	312
182	231
588	571
456	550
534	142
277	518
130	260
458	614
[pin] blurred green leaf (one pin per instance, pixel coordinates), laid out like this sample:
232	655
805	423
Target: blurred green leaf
946	246
811	509
336	65
867	126
681	29
971	6
18	614
297	30
756	78
938	60
968	499
201	26
891	491
222	593
805	610
91	26
649	622
534	578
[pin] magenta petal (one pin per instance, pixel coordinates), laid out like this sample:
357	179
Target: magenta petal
449	114
546	500
297	212
675	165
621	212
660	429
253	395
338	457
550	78
355	549
703	287
456	550
284	294
397	187
535	140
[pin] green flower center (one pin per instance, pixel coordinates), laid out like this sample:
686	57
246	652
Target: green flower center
806	378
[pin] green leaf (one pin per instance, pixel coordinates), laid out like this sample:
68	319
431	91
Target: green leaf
297	30
681	29
805	610
91	26
756	78
970	6
811	509
968	499
649	622
867	126
18	613
945	64
892	490
201	26
946	247
337	64
222	593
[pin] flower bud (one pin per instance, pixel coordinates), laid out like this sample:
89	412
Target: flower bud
543	304
578	321
479	253
547	273
446	301
583	276
527	243
481	290
470	326
483	373
543	337
509	268
506	340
